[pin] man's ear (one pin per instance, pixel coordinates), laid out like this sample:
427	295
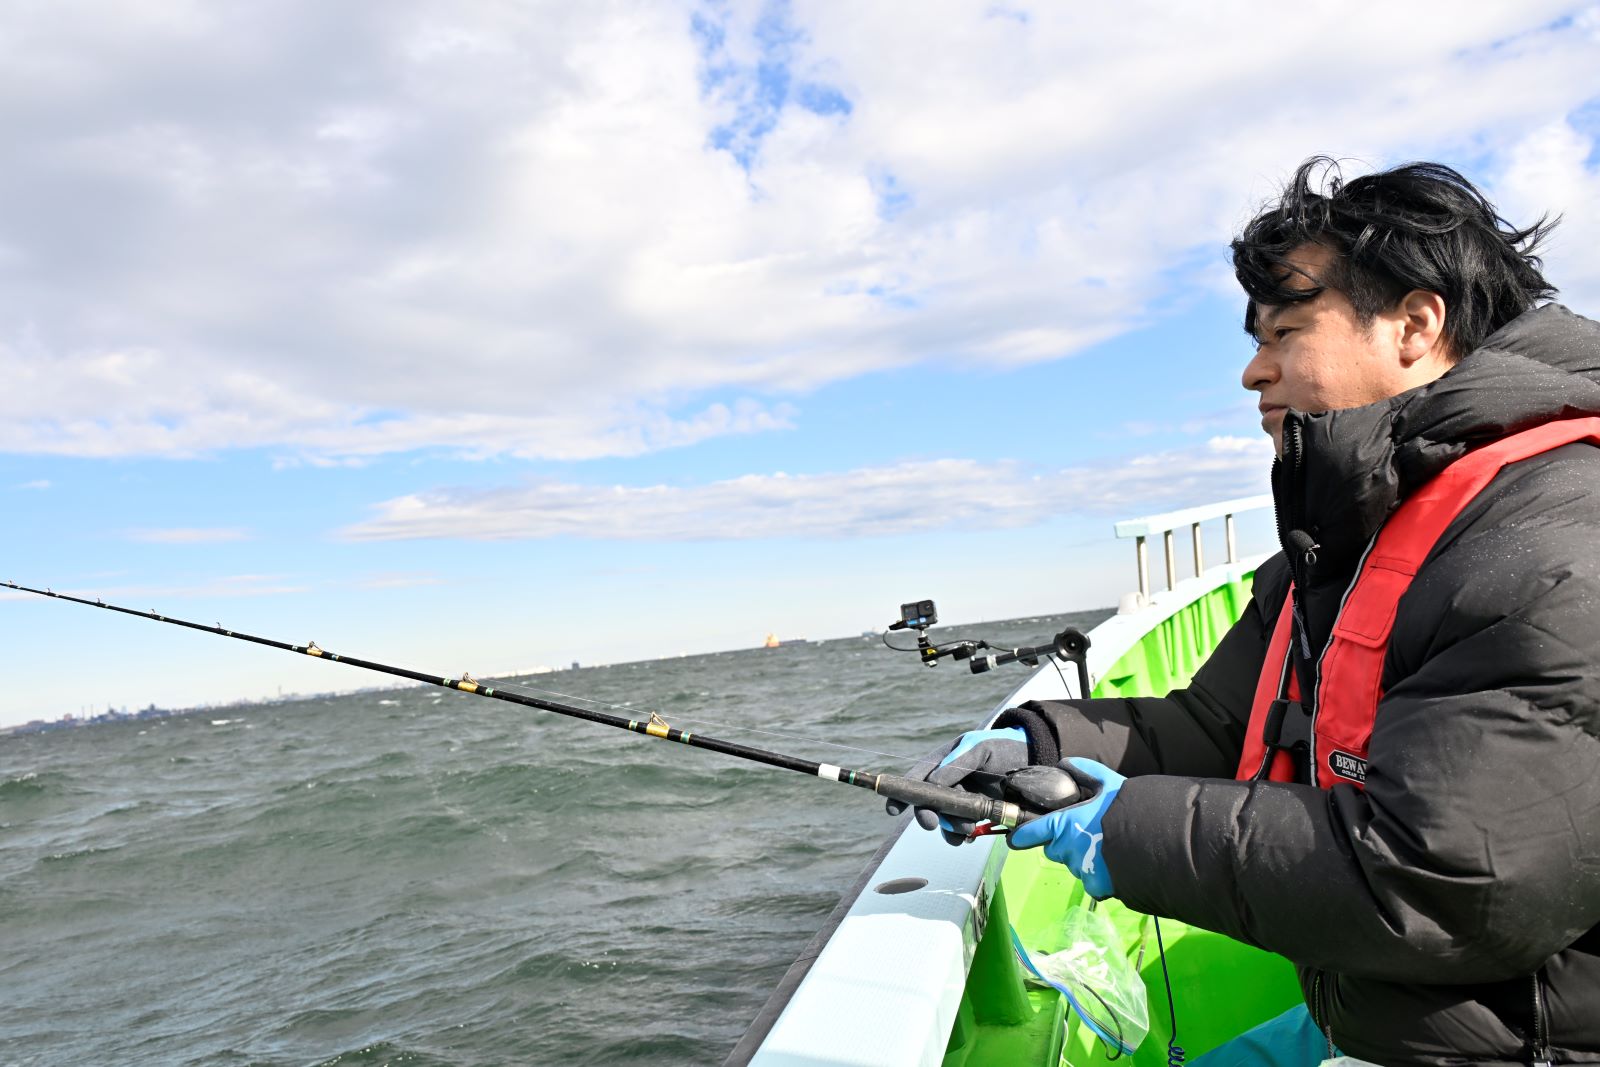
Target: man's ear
1422	328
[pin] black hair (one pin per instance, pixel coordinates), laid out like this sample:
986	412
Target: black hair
1415	226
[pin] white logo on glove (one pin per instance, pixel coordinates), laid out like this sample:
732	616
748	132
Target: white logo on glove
1094	845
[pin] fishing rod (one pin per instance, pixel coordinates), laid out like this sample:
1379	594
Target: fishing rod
1035	795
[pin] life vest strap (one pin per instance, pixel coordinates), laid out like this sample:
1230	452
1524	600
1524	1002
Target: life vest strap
1350	673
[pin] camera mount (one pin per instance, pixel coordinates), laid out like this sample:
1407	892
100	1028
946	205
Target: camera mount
1071	644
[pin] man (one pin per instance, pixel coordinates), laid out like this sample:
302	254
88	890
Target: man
1437	885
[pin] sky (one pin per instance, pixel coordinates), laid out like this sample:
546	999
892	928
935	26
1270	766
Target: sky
496	335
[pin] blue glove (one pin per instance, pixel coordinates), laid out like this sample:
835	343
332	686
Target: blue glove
976	762
1072	835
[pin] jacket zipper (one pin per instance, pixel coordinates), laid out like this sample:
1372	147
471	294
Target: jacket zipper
1318	1014
1541	1023
1301	550
1298	545
1290	464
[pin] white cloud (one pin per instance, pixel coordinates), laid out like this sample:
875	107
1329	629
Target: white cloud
1550	171
155	403
868	502
341	231
190	535
37	483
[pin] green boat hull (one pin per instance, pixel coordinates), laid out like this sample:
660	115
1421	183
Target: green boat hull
1220	987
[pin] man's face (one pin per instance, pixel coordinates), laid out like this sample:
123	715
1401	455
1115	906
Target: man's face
1317	355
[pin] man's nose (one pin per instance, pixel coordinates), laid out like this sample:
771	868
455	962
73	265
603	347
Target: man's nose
1259	372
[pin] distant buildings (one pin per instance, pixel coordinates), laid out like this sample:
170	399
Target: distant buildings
39	726
109	715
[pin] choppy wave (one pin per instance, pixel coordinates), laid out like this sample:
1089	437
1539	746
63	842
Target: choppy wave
432	880
30	786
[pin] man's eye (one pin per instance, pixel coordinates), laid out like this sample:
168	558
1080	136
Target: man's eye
1281	332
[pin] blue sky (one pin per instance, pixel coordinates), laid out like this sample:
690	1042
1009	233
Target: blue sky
502	336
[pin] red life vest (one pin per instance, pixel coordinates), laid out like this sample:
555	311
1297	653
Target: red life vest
1351	668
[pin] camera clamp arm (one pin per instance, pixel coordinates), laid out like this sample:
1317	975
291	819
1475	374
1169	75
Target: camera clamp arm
1071	644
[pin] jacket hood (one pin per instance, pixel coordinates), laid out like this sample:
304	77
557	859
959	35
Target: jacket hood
1357	464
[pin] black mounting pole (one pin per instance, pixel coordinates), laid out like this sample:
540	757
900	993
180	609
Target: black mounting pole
1070	644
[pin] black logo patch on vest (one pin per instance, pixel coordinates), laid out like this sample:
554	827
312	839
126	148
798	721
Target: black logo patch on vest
1348	766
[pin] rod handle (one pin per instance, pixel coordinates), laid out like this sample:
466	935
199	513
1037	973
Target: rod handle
947	801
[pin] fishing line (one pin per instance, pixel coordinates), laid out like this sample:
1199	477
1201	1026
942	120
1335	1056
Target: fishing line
787	735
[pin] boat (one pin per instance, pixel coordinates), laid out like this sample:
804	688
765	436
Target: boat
772	641
916	965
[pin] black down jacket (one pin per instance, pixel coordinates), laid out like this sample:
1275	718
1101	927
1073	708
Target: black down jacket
1448	914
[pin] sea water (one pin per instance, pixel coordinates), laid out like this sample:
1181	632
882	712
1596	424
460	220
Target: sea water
420	877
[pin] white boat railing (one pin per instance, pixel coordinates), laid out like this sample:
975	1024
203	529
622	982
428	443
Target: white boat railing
1164	525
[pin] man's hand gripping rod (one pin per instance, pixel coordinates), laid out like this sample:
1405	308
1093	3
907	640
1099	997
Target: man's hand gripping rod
1033	792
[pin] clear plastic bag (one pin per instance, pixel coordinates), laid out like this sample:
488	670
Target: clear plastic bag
1093	972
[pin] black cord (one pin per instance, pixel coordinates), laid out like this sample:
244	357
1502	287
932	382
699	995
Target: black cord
1175	1054
893	648
1116	1022
942	649
1065	688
